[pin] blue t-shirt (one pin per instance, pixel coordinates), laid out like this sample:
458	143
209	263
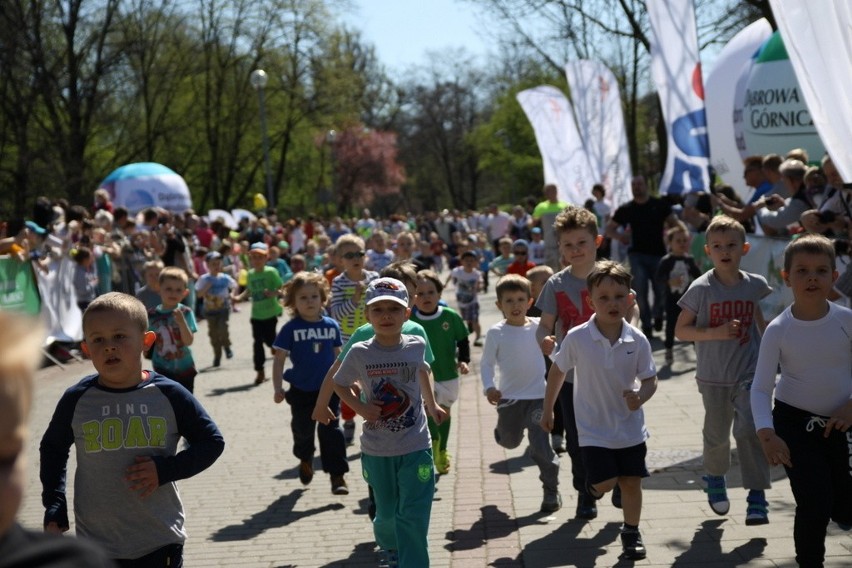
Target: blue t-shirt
310	346
218	291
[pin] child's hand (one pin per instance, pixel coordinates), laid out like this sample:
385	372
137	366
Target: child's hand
278	397
774	448
729	329
54	528
548	344
633	400
438	414
546	421
493	395
464	368
323	415
371	411
840	420
179	315
142	476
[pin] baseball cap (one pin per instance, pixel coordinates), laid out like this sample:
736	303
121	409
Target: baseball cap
386	289
520	243
260	248
32	226
536	230
212	256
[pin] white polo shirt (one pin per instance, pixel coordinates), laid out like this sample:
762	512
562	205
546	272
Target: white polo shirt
602	373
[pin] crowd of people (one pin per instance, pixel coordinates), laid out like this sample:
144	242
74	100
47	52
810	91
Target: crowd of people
369	333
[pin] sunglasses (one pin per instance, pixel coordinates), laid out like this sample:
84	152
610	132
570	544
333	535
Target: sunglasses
353	255
519	253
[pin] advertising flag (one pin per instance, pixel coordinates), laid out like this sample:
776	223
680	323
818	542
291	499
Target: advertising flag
676	70
721	88
600	121
566	163
819	43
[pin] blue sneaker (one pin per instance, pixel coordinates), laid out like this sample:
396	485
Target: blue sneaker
717	494
757	512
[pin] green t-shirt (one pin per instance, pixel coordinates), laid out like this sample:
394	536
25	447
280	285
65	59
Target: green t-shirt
263	307
444	329
365	332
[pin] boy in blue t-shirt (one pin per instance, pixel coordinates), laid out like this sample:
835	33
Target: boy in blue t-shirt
215	288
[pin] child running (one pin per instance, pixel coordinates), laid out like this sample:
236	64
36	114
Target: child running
564	304
175	327
675	273
395	444
468	281
721	314
512	376
615	376
216	288
347	300
125	424
263	287
808	432
312	341
448	335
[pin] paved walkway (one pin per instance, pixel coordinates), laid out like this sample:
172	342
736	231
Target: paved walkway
250	509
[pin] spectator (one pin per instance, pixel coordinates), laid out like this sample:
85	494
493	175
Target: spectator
647	217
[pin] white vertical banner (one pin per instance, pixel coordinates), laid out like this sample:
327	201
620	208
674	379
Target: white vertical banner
720	89
818	38
600	120
676	70
566	163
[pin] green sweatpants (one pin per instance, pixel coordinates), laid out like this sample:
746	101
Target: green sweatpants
404	487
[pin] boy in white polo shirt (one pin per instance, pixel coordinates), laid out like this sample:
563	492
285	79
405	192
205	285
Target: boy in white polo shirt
614	376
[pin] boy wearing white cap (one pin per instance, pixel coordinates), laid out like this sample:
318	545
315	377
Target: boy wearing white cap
396	447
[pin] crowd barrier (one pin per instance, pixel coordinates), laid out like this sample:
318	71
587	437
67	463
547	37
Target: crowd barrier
50	295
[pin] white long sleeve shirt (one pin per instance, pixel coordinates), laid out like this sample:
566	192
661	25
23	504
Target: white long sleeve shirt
512	361
816	364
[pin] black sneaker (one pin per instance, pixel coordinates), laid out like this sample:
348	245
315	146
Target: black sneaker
338	485
217	361
658	324
632	546
552	501
228	353
306	472
586	506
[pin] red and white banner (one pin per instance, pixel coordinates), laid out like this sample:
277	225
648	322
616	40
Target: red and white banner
819	43
600	121
566	163
676	70
720	89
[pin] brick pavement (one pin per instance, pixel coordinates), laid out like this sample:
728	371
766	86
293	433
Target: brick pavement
250	509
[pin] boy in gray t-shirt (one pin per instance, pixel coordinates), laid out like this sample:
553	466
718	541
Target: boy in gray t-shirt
721	314
396	449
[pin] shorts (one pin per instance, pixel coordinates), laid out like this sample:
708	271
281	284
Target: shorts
606	463
446	392
469	312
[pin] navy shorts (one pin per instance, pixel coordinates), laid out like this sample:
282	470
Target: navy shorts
605	463
470	312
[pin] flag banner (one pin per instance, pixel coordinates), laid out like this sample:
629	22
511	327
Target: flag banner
59	302
566	163
819	43
720	89
676	70
19	292
600	121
